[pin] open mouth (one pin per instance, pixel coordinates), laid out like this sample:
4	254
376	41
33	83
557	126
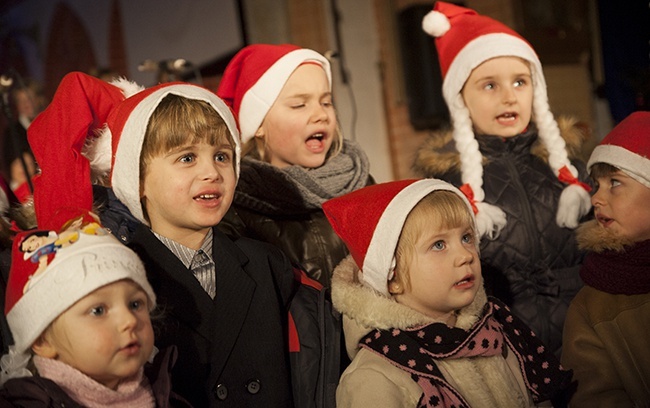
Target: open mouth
604	221
315	142
508	117
469	279
212	196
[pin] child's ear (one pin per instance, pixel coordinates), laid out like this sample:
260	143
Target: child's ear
395	288
43	348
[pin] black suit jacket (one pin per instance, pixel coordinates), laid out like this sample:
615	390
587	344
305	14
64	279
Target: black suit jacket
233	349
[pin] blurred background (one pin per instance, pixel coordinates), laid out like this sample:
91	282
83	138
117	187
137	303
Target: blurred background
595	55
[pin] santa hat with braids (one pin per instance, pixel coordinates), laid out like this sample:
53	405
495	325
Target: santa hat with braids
464	40
95	127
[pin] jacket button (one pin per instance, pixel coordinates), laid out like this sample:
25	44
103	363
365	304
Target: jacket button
253	386
221	392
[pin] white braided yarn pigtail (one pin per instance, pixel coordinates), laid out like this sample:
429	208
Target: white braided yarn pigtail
490	219
575	200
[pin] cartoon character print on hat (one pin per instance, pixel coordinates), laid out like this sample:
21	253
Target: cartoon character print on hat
40	247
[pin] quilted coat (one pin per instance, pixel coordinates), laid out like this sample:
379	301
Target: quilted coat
533	265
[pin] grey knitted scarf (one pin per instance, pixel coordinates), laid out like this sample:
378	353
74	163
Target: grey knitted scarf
268	189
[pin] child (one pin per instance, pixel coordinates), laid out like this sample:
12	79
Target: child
294	155
607	330
417	322
507	154
86	322
175	162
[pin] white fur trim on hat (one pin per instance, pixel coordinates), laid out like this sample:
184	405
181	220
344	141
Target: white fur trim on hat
632	164
86	265
257	100
378	261
126	169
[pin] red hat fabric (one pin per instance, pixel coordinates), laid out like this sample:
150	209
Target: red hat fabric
95	126
52	270
627	147
57	136
464	40
370	221
255	76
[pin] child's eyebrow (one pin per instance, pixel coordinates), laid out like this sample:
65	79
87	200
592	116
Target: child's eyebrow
307	95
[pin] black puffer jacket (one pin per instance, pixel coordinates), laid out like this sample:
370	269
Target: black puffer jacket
533	265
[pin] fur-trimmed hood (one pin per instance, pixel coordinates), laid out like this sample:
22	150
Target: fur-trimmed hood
364	309
438	154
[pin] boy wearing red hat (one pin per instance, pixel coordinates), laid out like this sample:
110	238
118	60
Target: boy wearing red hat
514	162
418	324
607	330
171	153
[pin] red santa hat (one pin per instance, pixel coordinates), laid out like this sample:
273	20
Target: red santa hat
464	40
52	270
627	147
82	129
255	76
370	221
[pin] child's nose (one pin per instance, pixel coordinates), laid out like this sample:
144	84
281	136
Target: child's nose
464	257
127	320
319	113
509	95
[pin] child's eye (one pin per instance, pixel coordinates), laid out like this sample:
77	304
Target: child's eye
489	86
614	182
98	311
468	238
327	104
520	82
222	157
138	304
297	106
438	245
186	158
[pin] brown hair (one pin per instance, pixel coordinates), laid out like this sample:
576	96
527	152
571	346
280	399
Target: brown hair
599	170
440	209
177	121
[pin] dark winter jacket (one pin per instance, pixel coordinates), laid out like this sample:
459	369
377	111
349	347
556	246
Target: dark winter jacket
533	265
232	350
39	392
273	211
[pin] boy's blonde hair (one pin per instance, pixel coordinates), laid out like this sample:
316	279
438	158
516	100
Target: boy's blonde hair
256	147
439	210
178	121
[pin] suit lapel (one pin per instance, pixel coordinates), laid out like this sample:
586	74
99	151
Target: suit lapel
235	289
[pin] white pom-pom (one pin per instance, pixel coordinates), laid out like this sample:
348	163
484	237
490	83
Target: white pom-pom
435	24
490	220
129	88
574	203
98	151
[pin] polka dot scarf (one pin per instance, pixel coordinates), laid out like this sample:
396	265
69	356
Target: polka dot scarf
416	351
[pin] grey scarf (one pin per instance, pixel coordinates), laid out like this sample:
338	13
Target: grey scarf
268	189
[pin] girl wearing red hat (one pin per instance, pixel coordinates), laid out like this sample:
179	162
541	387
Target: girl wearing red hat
82	334
417	322
293	156
514	162
607	329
